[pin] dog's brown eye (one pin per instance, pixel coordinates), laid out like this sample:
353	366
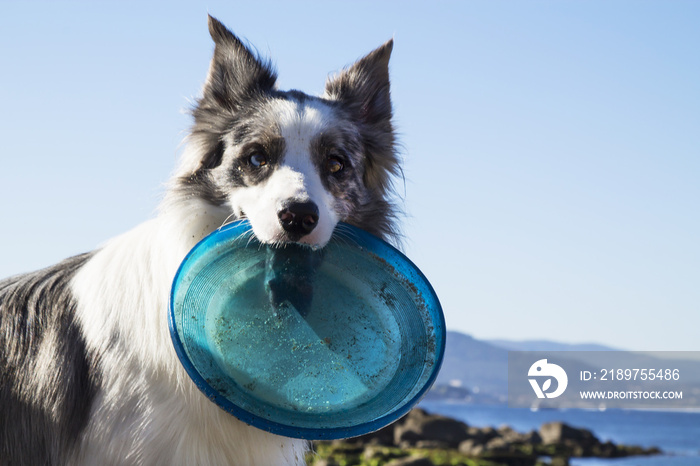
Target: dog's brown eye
334	165
258	160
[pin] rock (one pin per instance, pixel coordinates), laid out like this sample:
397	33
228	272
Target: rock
347	448
605	450
432	444
504	445
483	434
559	461
381	453
419	426
510	435
634	450
498	445
411	461
505	430
471	447
384	436
558	433
531	437
326	463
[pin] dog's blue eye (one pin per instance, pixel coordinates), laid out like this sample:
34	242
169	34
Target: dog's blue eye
258	160
334	165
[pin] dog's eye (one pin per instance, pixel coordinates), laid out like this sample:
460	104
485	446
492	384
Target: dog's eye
258	160
334	165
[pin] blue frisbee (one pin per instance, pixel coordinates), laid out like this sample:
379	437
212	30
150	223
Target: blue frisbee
314	344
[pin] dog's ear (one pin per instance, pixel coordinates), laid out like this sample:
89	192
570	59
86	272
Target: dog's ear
364	87
363	90
236	74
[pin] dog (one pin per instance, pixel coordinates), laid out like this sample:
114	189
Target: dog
88	372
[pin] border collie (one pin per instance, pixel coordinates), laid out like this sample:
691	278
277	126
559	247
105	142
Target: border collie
88	373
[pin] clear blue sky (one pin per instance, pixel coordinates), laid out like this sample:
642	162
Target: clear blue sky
552	149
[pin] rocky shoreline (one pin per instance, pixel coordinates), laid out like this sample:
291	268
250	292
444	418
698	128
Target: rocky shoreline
424	439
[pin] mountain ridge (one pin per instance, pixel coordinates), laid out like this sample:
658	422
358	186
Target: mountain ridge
477	370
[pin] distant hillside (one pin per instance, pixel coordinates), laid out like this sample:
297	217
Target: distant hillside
546	345
689	366
479	368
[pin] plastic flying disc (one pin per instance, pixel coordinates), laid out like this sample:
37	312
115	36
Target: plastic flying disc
324	344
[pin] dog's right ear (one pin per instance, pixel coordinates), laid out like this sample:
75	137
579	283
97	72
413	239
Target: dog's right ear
236	74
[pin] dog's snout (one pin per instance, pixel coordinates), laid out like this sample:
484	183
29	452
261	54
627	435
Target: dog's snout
299	218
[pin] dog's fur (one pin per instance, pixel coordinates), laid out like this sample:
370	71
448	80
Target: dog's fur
88	373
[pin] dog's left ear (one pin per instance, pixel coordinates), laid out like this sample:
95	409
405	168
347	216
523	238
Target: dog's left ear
364	87
363	90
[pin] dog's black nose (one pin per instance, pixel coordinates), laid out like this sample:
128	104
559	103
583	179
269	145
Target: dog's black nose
299	218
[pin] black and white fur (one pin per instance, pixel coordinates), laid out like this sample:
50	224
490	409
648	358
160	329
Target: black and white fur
88	374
